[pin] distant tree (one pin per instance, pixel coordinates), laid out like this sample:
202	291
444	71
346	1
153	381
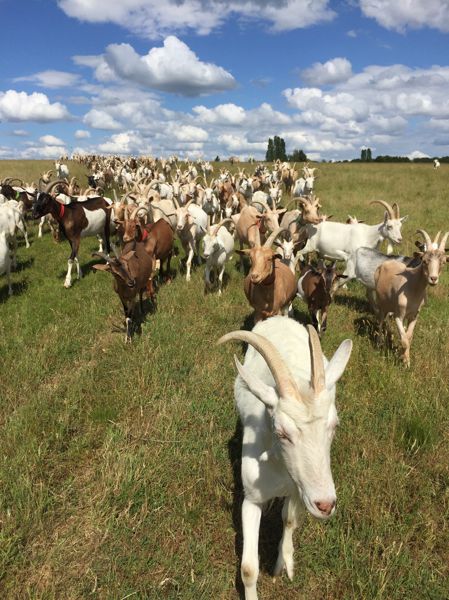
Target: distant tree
368	154
279	148
297	156
363	155
269	156
217	158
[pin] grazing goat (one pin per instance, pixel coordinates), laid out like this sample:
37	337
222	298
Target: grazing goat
270	285
62	170
316	286
285	395
401	290
5	260
191	227
218	247
76	220
132	272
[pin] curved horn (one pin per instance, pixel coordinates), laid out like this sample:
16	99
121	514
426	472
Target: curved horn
318	380
53	184
134	213
442	246
261	202
386	206
273	236
221	223
104	256
426	237
283	378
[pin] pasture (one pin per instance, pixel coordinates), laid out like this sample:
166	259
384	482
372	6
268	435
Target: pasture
120	464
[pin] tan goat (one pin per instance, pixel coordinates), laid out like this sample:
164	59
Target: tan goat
401	290
270	285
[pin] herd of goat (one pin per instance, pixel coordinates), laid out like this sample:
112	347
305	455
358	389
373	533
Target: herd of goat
285	374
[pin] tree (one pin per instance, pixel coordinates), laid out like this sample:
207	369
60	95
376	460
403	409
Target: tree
269	156
297	156
363	155
368	154
217	158
279	148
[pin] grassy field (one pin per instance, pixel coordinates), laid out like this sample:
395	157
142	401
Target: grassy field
119	464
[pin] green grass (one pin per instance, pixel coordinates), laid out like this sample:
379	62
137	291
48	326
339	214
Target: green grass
119	464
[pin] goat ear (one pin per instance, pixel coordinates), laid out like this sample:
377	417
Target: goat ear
128	255
102	267
265	393
402	219
243	252
337	364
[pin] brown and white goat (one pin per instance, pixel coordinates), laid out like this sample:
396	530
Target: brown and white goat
316	286
401	290
270	285
132	272
76	220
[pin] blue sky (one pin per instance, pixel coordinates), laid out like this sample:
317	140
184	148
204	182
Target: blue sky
202	77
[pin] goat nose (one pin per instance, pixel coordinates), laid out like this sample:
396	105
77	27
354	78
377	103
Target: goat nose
433	279
325	507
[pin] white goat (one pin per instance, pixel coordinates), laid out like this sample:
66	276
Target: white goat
285	394
5	260
62	170
218	248
191	226
339	241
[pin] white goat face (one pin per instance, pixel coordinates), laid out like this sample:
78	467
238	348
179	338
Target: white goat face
391	229
210	245
287	247
182	217
305	439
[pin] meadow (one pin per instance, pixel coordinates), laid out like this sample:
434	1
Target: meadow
119	465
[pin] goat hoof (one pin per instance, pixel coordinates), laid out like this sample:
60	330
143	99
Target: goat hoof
67	284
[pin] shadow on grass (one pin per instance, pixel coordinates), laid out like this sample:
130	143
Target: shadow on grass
271	522
18	288
214	283
24	264
355	302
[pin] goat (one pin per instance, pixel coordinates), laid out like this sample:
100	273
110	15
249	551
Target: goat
76	220
62	170
285	395
316	286
270	285
436	163
191	227
339	241
157	238
5	260
218	247
401	290
132	272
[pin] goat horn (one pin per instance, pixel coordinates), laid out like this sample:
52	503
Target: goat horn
104	256
273	236
318	380
134	213
283	378
443	242
221	223
426	237
53	184
396	210
385	205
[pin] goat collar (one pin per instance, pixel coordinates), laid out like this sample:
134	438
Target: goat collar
61	211
144	234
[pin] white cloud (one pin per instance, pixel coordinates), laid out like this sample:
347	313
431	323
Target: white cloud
127	142
99	119
230	114
332	71
403	14
170	68
52	79
20	106
44	151
51	140
82	134
157	18
20	132
417	154
188	133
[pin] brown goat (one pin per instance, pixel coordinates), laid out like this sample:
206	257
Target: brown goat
316	286
270	285
132	272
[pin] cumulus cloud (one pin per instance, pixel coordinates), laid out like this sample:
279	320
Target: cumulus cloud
82	134
127	142
330	72
99	119
51	140
174	67
20	106
402	15
156	18
43	151
20	132
417	154
51	79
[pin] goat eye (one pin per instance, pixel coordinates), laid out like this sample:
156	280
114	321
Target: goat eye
282	435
